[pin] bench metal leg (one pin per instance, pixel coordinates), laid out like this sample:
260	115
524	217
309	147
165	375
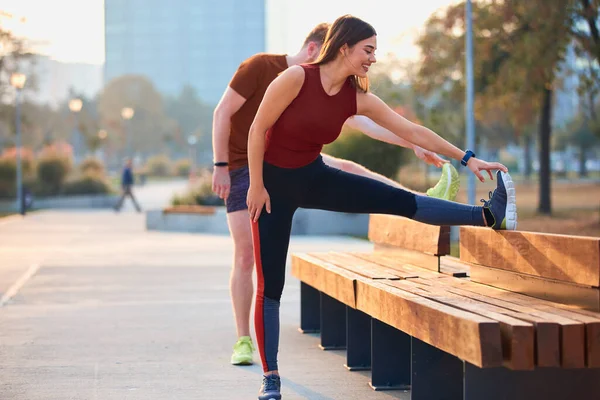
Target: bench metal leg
333	323
435	373
358	340
542	383
390	357
310	309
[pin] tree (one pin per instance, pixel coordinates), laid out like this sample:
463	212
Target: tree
145	131
519	48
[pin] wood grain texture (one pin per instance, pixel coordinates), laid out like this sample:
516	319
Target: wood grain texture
572	332
468	336
548	289
408	234
358	265
517	335
574	259
333	281
414	258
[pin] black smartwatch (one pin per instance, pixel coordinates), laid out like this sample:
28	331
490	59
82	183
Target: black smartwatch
468	155
221	164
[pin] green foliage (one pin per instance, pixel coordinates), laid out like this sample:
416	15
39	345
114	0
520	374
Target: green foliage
183	167
52	170
8	172
89	183
200	194
92	166
377	156
159	166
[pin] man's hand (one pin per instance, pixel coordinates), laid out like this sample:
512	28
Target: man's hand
429	157
221	182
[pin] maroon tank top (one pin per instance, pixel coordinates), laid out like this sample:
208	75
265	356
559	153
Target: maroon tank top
312	120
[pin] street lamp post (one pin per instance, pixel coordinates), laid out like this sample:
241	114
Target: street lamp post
17	80
470	117
127	113
75	106
192	140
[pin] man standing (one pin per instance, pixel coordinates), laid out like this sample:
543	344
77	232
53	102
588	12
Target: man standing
233	117
126	187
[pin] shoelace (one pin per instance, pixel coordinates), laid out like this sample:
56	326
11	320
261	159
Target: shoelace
487	203
270	383
248	343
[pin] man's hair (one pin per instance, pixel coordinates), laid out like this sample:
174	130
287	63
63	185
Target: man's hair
318	34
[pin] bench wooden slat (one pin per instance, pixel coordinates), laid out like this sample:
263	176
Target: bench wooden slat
517	335
406	269
190	209
334	281
557	291
454	266
590	319
468	336
416	258
357	265
408	234
572	333
560	257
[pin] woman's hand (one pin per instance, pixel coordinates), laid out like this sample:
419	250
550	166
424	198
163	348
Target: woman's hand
476	166
429	156
257	199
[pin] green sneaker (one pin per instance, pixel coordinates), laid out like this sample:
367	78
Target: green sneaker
448	185
242	351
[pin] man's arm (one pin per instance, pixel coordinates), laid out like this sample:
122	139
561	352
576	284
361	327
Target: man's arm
377	132
230	103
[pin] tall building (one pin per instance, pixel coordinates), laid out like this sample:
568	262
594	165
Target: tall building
182	42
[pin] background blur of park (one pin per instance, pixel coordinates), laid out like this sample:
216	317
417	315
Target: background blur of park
109	79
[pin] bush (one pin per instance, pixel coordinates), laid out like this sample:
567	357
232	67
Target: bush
183	167
8	173
92	166
201	194
377	156
52	170
87	184
158	166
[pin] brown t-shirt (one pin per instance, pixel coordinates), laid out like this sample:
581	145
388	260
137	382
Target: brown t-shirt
251	81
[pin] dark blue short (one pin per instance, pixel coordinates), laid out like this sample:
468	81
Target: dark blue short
240	182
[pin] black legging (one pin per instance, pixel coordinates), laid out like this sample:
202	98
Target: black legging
322	187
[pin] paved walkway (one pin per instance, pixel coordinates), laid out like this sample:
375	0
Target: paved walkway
95	307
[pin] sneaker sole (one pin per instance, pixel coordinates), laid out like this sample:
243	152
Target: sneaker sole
510	214
242	361
451	191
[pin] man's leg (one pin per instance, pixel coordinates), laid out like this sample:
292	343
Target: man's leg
447	187
241	286
121	199
240	282
135	203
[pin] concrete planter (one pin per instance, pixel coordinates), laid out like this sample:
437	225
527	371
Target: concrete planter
306	222
65	202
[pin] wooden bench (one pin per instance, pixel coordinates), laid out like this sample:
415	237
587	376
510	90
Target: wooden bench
403	312
190	209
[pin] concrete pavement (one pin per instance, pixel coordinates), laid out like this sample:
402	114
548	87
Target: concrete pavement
95	307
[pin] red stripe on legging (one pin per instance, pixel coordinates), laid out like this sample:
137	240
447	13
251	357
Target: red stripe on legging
259	322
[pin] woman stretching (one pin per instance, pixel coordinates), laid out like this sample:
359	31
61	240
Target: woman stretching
305	108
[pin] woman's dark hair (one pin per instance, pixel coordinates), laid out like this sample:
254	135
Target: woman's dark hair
346	30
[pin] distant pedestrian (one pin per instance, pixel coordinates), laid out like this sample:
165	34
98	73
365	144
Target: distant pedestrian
126	187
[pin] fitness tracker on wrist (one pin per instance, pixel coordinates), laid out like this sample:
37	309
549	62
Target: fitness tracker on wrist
465	159
221	164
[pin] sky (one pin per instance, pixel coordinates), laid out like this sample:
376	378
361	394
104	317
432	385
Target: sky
73	30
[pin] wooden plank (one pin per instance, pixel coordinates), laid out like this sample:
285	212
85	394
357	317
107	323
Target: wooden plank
189	209
572	332
517	335
357	265
574	259
468	336
590	319
421	260
453	266
408	234
325	277
552	290
422	264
